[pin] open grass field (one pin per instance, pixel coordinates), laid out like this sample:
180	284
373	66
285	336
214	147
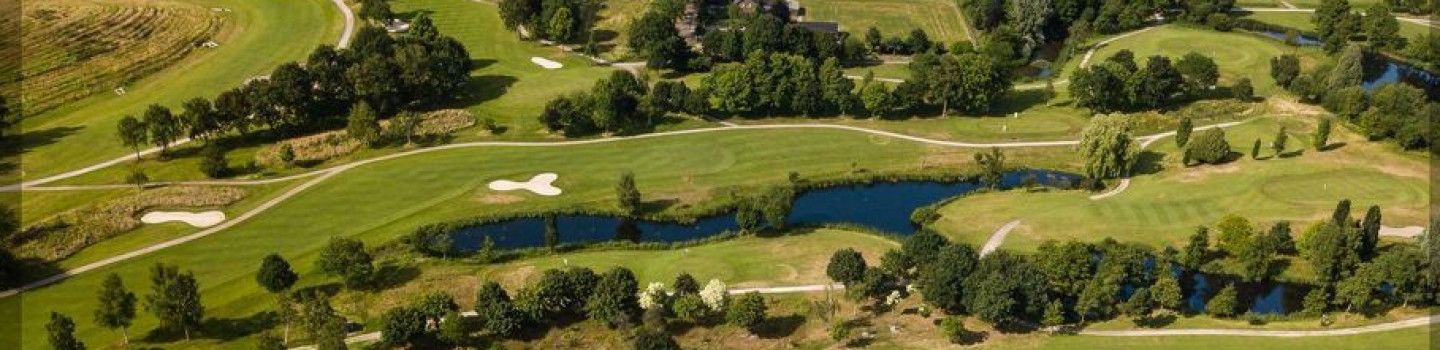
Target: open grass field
940	19
259	35
1301	21
381	201
1164	204
74	49
1252	61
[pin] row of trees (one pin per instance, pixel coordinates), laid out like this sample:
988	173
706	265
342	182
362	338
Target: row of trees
1120	84
617	104
379	71
174	300
748	33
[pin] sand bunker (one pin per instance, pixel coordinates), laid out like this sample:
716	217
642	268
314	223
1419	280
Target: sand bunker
540	184
548	64
201	219
1407	231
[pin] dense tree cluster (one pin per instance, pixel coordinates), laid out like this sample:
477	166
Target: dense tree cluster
777	82
1120	84
916	42
619	103
748	33
1396	111
562	21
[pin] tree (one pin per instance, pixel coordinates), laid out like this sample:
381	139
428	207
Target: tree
376	10
1330	251
164	128
116	308
1382	30
835	87
626	194
1166	291
402	325
1284	68
1348	102
1197	250
1316	302
655	340
1322	134
1255	150
1209	147
1154	86
1107	147
846	266
213	162
942	278
1054	314
1182	132
1348	71
1235	234
496	311
1199	71
747	311
992	166
614	300
1370	233
1256	258
362	124
1224	303
1279	144
654	36
326	327
62	333
133	134
1334	24
1067	266
876	97
175	299
435	305
1357	291
685	284
1005	288
714	295
455	328
1139	303
1242	90
403	126
560	26
516	13
346	258
1098	298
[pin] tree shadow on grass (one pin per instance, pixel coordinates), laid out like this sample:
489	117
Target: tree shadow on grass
1155	321
1332	146
33	139
1291	154
1148	163
1019	101
482	89
227	329
390	276
779	327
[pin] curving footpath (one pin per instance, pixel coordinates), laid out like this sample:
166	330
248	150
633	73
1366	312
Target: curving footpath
998	238
343	42
1145	142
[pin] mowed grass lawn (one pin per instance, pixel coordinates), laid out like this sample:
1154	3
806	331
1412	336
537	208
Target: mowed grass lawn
1163	208
1409	338
1239	55
940	19
382	201
1301	21
259	36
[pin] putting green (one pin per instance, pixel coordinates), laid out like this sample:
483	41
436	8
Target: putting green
1163	208
259	36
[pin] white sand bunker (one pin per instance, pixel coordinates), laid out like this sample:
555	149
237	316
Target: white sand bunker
548	64
540	184
1407	231
201	219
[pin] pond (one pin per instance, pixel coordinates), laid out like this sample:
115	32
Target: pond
1302	39
1271	298
884	205
1395	71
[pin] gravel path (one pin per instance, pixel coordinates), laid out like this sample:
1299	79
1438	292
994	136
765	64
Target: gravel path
998	238
1414	322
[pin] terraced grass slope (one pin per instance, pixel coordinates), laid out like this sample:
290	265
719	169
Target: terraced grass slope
73	49
941	19
259	36
1163	206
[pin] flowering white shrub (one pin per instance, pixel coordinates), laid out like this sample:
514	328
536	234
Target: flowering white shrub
893	298
714	294
653	296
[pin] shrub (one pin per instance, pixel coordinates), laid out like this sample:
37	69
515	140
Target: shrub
402	325
1209	147
953	327
690	308
655	340
748	311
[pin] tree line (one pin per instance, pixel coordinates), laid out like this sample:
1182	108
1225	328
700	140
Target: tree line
561	21
378	72
1079	282
1119	84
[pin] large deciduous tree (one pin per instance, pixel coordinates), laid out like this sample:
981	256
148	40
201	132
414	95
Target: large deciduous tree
1107	147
